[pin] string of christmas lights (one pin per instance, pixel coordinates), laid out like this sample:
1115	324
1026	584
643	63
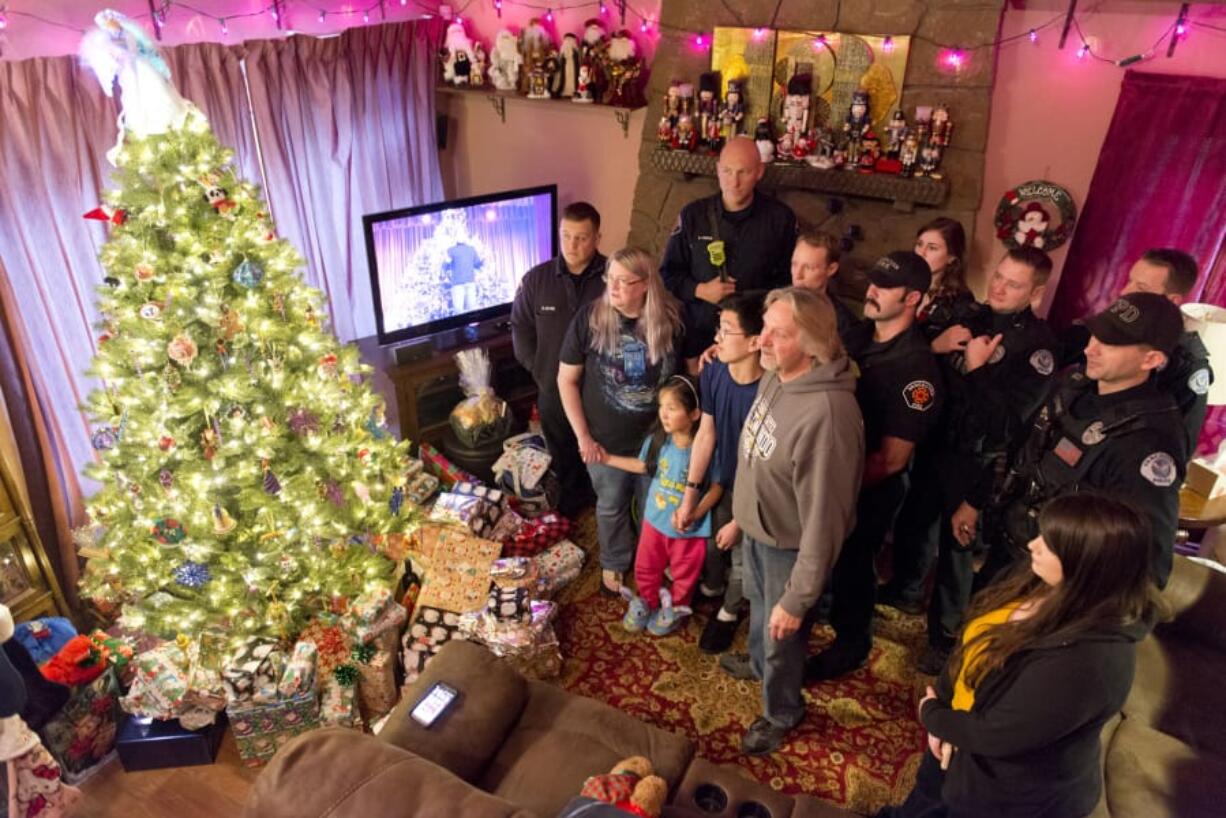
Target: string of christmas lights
953	56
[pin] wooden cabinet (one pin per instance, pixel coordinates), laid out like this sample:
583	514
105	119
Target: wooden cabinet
27	583
421	393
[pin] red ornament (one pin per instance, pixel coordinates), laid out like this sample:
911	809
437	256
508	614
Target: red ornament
362	453
166	443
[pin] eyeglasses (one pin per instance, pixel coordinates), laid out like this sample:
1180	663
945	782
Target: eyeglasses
724	333
621	282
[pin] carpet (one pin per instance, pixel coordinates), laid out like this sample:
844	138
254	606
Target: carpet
859	746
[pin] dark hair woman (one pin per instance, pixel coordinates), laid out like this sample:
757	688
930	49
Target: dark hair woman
942	243
1045	660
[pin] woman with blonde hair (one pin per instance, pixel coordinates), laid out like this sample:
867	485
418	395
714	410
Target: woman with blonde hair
617	353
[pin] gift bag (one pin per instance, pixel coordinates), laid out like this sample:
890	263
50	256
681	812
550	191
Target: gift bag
339	706
522	471
559	565
83	733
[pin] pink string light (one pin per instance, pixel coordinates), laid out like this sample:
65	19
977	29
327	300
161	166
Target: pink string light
887	45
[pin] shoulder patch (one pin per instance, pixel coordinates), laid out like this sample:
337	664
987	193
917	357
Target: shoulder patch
919	395
1043	361
997	355
1199	381
1159	469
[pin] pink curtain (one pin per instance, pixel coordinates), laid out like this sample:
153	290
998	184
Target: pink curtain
1160	182
347	128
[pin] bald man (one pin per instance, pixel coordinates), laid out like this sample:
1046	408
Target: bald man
757	233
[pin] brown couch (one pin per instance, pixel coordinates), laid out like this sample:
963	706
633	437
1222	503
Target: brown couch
1165	756
510	748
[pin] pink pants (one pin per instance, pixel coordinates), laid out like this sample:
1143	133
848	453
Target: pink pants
684	555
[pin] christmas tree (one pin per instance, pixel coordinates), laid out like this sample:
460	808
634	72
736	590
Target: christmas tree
247	479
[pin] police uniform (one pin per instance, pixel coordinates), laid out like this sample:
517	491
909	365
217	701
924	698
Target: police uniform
758	243
1127	443
1186	377
548	297
900	393
987	412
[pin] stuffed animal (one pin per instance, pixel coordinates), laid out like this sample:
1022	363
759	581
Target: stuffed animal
630	786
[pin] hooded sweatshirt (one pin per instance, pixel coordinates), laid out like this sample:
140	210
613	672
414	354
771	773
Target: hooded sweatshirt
799	463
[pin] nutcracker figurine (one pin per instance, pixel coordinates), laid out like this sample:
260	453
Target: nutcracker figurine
732	115
942	128
870	150
685	139
795	112
685	99
908	156
665	130
896	132
929	158
672	103
708	107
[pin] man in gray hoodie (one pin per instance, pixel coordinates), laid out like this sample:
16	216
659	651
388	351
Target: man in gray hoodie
799	463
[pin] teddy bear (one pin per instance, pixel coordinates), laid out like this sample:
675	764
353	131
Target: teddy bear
630	786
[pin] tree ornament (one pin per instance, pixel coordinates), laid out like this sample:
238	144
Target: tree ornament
171	377
182	350
106	213
217	196
103	439
229	325
192	574
151	311
111	281
168	530
278	304
166	478
346	675
333	494
248	274
302	422
396	500
209	443
272	485
374	424
363	652
166	443
327	365
143	271
223	523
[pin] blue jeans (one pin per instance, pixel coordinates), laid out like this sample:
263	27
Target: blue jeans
780	664
615	491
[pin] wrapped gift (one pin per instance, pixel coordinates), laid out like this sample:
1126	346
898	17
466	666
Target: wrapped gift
377	693
299	674
413	467
430	630
542	661
476	514
154	744
494	497
515	572
509	604
374	614
537	535
82	734
261	728
253	672
559	565
508	525
339	706
333	642
170	682
447	472
421	488
457	569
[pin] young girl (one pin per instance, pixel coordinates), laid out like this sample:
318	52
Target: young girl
666	457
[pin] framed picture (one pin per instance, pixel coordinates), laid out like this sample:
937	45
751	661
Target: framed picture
748	55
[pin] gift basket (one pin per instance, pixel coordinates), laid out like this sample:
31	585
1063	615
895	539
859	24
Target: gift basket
482	417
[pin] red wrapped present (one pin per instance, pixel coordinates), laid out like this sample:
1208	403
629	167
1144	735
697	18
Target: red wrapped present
447	472
534	536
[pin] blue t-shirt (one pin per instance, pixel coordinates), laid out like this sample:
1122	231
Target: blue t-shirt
463	262
728	402
667	489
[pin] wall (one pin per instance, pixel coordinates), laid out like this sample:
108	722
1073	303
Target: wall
1051	111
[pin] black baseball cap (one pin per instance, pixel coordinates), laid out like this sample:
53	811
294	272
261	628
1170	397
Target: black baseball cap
1139	318
902	268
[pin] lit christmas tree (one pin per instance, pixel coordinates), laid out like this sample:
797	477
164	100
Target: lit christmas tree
248	480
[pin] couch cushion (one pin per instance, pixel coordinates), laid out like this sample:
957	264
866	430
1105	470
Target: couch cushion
340	773
1172	691
1153	775
562	738
492	696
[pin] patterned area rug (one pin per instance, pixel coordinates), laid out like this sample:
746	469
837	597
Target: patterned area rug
859	746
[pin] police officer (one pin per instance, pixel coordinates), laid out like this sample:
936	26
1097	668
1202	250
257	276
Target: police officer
1109	427
737	240
900	396
1187	376
549	295
997	367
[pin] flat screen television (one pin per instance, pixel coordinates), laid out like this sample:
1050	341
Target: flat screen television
446	265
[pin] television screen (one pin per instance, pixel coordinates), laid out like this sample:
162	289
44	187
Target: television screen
444	265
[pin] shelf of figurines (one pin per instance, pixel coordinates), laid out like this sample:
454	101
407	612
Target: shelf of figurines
904	192
499	99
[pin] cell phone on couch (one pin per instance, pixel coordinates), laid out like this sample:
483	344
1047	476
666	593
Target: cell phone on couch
437	701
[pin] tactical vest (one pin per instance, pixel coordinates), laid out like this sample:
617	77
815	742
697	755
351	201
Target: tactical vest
1061	451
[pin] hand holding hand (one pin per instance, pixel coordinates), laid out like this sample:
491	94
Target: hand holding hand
715	291
954	337
979	350
591	451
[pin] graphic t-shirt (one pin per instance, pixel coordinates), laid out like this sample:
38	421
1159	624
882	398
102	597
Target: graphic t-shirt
619	389
728	403
667	489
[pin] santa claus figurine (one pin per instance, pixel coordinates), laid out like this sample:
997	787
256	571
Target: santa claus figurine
481	61
592	50
583	84
562	83
505	62
457	55
1031	228
535	46
624	69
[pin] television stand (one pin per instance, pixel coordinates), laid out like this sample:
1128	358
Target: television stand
422	390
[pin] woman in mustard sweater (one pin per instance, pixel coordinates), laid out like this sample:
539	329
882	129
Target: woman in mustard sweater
1046	659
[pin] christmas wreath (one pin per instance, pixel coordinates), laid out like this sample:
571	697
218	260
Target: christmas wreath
1022	219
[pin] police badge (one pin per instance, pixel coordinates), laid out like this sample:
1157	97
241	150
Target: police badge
1093	434
1043	361
1159	469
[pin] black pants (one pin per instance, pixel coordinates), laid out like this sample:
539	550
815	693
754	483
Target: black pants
924	801
951	593
564	450
915	529
853	581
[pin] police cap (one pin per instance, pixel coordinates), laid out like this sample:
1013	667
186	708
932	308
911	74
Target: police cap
1139	318
902	268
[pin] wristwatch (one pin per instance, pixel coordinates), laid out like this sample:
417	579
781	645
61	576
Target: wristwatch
690	484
